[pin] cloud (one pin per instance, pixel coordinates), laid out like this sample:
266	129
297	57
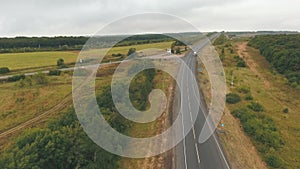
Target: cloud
84	17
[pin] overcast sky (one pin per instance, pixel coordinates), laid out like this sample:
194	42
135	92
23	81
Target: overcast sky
85	17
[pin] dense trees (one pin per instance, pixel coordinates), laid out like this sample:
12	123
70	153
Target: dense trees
264	132
32	44
62	145
283	53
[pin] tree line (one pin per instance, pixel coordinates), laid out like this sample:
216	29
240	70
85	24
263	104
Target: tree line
282	52
35	44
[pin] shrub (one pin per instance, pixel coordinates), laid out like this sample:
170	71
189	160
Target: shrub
4	70
241	63
274	161
131	51
232	98
16	78
54	72
286	110
256	107
61	63
248	97
244	89
117	55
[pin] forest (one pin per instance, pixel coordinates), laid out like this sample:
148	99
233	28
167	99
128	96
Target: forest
63	43
282	52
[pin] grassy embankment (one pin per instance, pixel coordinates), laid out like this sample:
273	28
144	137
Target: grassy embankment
256	83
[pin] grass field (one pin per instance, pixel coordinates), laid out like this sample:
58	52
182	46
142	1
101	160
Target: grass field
20	104
33	60
269	89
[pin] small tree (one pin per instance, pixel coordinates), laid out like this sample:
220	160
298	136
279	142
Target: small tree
286	110
131	51
60	63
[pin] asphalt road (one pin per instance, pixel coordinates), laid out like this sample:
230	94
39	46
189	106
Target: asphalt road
190	154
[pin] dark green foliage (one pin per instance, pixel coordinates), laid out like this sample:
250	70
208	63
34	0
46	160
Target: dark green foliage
61	63
177	51
35	44
232	98
263	131
62	145
274	161
131	51
222	39
4	70
248	97
283	53
240	61
139	90
256	107
286	110
117	55
15	78
54	73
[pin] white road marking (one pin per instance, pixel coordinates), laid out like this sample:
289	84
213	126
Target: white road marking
197	152
184	148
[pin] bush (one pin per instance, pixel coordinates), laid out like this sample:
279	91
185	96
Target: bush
131	51
4	70
232	98
54	72
117	55
286	110
256	107
248	97
274	161
16	78
61	63
244	89
241	63
260	128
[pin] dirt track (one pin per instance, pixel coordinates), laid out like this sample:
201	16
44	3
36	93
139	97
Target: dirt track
58	107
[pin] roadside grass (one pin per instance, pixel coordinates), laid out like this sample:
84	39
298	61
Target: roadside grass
238	147
268	88
273	92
